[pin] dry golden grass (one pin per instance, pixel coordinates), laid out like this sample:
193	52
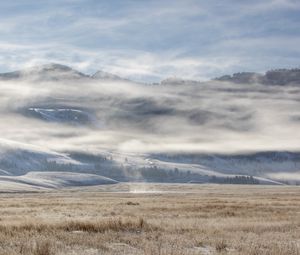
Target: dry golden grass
179	219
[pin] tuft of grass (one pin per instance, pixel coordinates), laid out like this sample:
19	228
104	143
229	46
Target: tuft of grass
38	247
132	203
43	248
116	225
221	246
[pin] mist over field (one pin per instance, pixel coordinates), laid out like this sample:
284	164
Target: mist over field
53	114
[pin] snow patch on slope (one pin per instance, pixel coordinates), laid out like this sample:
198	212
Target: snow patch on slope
19	158
35	181
63	115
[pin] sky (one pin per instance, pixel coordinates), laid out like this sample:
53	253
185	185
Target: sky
151	40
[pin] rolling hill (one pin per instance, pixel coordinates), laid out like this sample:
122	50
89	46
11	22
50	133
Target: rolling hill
240	128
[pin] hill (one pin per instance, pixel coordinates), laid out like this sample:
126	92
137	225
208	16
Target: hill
236	129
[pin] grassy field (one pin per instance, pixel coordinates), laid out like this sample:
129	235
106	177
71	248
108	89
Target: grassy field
153	219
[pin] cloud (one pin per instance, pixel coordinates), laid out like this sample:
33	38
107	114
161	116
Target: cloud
132	64
151	40
211	117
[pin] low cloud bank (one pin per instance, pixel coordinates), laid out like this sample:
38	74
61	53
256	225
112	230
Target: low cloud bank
216	117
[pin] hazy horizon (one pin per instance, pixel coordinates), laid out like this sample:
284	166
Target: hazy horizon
150	40
36	67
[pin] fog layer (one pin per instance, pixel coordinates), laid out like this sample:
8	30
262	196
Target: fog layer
79	113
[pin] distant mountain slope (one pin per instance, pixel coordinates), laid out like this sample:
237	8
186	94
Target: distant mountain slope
278	77
52	72
178	81
266	167
56	72
62	115
49	72
107	76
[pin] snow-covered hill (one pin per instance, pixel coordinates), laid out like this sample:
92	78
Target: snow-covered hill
42	181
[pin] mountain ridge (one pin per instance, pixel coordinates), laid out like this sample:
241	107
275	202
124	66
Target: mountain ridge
55	71
279	77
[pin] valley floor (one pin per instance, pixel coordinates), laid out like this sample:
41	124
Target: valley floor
152	219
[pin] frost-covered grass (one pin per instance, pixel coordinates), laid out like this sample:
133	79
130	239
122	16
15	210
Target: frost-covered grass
154	219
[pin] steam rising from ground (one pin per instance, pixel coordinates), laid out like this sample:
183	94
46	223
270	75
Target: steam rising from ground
208	117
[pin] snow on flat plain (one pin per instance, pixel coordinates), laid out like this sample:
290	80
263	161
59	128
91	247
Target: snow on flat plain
42	181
